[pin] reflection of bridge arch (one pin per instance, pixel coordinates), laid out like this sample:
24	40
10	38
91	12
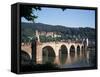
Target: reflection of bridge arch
72	50
63	53
48	54
78	50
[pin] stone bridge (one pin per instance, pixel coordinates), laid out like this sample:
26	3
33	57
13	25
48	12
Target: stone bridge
35	51
56	46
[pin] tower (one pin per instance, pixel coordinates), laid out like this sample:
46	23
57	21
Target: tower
87	42
37	35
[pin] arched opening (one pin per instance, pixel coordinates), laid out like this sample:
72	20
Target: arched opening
82	48
48	55
72	51
78	50
63	52
25	58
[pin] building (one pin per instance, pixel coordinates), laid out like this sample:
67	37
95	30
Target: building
52	34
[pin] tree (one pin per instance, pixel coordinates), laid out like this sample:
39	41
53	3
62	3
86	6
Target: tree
42	38
28	12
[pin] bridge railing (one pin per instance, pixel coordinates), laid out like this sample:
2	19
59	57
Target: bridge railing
66	41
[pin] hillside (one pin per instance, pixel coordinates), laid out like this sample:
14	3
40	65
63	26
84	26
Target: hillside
28	29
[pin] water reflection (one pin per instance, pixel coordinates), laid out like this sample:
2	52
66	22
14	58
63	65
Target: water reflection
78	51
63	53
48	55
64	60
72	53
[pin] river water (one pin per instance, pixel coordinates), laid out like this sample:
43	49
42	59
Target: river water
72	60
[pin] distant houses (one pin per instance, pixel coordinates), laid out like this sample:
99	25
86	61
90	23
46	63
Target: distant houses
52	34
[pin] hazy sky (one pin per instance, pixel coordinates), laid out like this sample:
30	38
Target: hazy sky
68	18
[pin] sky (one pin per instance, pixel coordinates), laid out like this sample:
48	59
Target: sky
68	17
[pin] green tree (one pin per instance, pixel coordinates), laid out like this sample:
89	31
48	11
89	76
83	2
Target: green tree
42	38
28	12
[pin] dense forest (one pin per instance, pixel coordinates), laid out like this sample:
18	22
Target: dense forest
28	31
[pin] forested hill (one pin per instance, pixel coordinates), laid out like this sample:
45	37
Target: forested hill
29	28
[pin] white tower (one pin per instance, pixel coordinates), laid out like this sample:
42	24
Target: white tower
37	36
87	42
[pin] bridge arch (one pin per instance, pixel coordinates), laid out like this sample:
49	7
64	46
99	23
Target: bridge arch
57	47
48	54
25	58
72	51
63	53
82	48
72	48
78	50
63	49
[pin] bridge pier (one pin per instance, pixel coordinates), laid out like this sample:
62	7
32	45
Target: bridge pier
38	54
80	50
57	61
75	49
33	53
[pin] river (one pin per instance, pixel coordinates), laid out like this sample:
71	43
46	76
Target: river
72	60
